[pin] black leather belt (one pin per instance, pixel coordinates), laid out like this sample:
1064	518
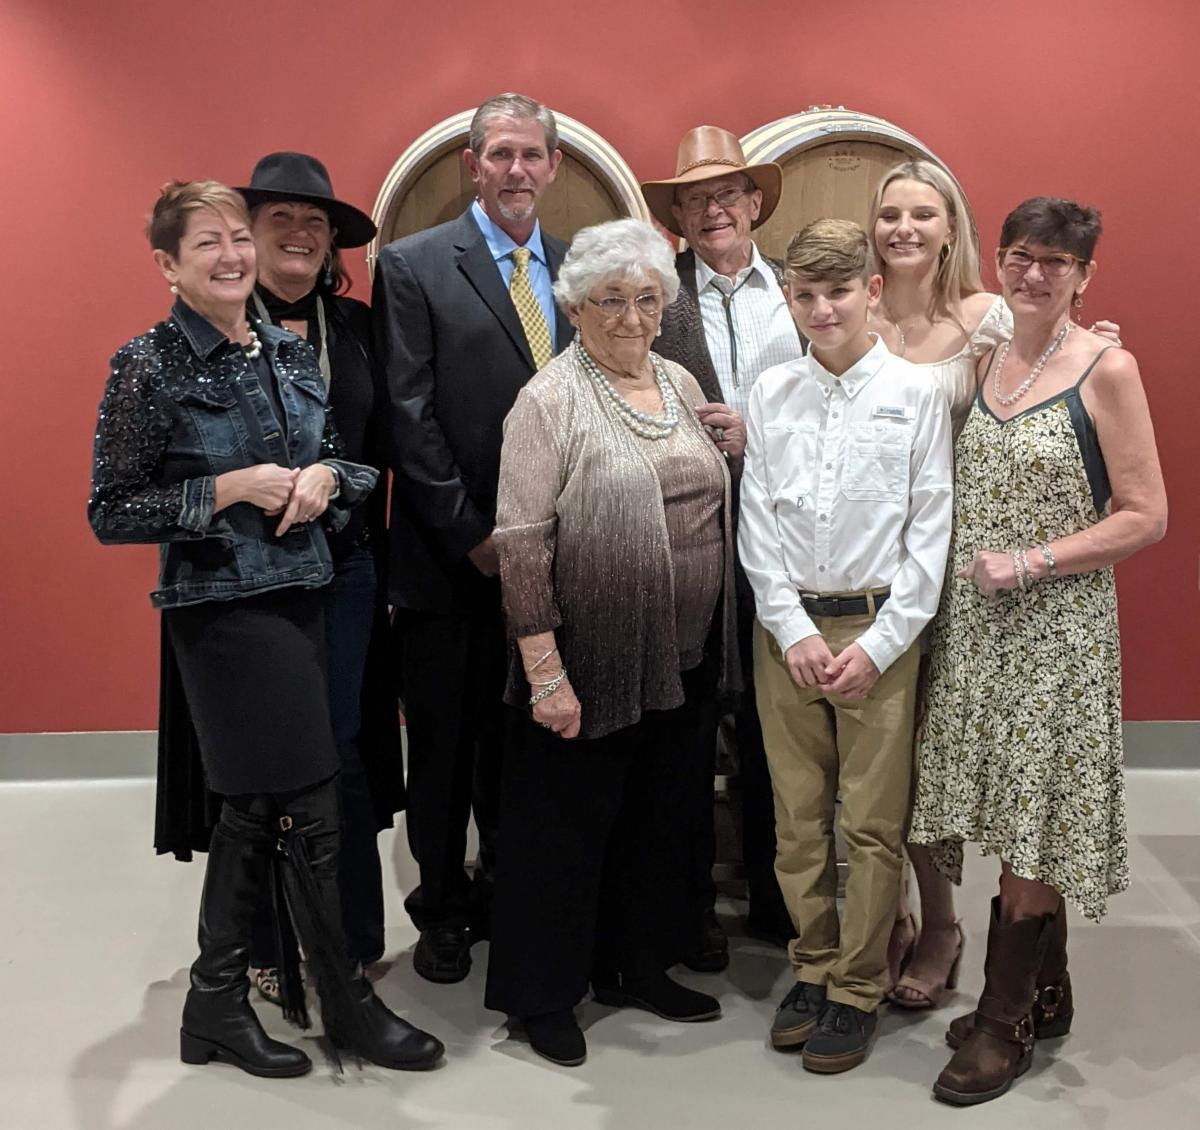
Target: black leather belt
840	605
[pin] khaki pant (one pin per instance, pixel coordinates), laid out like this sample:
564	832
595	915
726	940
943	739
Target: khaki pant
820	747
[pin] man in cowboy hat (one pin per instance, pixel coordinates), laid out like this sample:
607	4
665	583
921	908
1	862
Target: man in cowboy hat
464	316
729	323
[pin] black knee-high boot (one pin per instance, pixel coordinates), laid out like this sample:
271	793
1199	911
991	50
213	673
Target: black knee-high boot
355	1018
218	1022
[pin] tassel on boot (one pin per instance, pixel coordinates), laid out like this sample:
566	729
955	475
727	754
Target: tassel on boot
354	1017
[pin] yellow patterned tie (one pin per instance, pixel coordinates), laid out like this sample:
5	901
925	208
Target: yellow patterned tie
537	333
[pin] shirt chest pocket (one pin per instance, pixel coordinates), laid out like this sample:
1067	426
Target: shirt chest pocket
217	428
877	460
791	460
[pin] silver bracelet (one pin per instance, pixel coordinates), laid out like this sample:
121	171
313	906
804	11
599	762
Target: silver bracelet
549	688
1017	570
1051	570
542	682
1027	571
542	658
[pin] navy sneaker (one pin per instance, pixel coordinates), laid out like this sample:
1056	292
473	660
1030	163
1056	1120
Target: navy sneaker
841	1039
797	1016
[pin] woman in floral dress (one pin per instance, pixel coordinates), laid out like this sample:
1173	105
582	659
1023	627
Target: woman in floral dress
1057	479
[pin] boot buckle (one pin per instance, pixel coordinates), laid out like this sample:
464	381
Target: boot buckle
1049	998
285	823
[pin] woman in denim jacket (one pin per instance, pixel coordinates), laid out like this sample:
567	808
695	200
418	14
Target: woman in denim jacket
213	441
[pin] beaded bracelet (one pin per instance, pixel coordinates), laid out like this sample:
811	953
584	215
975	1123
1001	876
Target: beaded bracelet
1051	571
1018	569
550	688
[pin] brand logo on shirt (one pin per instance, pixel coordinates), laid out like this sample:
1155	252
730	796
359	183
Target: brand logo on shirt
895	411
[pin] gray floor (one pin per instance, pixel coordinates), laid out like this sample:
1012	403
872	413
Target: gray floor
96	934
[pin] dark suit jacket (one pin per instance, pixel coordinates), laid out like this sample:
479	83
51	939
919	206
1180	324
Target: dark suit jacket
453	357
683	338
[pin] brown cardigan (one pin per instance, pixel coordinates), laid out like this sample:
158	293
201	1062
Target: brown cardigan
584	550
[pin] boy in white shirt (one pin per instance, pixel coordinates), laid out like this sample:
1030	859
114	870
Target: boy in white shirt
844	529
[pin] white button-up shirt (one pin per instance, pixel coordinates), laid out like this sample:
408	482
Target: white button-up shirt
763	333
847	487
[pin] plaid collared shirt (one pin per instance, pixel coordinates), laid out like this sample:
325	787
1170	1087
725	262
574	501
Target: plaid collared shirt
757	328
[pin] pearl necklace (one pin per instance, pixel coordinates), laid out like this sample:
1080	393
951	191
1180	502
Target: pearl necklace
254	349
1034	373
641	423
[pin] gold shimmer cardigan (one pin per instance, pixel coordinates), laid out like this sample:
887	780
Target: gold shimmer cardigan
585	552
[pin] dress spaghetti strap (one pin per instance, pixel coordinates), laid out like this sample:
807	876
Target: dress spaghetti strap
1092	364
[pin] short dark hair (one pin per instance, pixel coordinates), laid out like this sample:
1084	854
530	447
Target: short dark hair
519	106
1054	222
830	251
178	199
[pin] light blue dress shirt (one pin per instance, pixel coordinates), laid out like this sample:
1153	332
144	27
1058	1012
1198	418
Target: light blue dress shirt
502	245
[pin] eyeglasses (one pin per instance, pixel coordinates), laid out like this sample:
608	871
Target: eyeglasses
1018	261
647	305
725	197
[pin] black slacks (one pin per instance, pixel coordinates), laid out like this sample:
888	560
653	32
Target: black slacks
454	670
592	874
766	906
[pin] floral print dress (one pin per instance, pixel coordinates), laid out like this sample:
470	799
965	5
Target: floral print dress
1020	746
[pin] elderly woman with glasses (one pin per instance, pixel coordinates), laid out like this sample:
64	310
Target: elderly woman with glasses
1057	479
615	546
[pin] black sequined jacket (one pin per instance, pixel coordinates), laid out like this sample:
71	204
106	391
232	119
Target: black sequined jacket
184	404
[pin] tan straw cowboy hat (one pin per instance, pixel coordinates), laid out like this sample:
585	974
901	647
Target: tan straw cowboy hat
706	152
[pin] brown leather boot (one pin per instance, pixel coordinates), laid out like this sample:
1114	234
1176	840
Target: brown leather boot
1055	1005
999	1047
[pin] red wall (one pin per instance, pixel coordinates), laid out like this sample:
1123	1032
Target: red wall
100	103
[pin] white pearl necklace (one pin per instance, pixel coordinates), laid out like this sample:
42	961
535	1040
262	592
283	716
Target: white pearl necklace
1034	373
642	423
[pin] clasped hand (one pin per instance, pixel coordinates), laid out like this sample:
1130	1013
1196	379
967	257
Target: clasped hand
851	673
298	495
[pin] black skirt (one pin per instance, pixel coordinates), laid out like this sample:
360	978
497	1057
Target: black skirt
254	674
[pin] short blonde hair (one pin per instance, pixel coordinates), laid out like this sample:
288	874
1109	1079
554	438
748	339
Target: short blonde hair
830	251
178	199
958	272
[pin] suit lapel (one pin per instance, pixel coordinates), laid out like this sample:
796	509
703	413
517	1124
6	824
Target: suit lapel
475	261
555	253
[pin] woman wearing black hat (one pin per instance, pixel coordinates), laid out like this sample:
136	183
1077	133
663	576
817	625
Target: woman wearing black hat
299	227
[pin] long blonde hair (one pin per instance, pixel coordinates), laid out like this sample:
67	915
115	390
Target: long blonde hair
958	271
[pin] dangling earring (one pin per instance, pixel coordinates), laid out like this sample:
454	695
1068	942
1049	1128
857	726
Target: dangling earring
1077	301
658	332
328	279
174	289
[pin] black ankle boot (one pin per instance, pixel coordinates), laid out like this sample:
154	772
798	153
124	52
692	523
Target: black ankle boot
218	1022
355	1018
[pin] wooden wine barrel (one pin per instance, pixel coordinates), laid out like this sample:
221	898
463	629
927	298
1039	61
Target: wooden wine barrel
429	183
832	160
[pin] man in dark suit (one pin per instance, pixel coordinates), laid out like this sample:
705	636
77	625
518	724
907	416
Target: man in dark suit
729	323
464	316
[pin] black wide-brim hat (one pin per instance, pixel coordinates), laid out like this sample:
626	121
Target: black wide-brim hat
297	176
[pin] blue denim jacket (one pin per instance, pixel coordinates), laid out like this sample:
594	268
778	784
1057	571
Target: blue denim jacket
183	404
